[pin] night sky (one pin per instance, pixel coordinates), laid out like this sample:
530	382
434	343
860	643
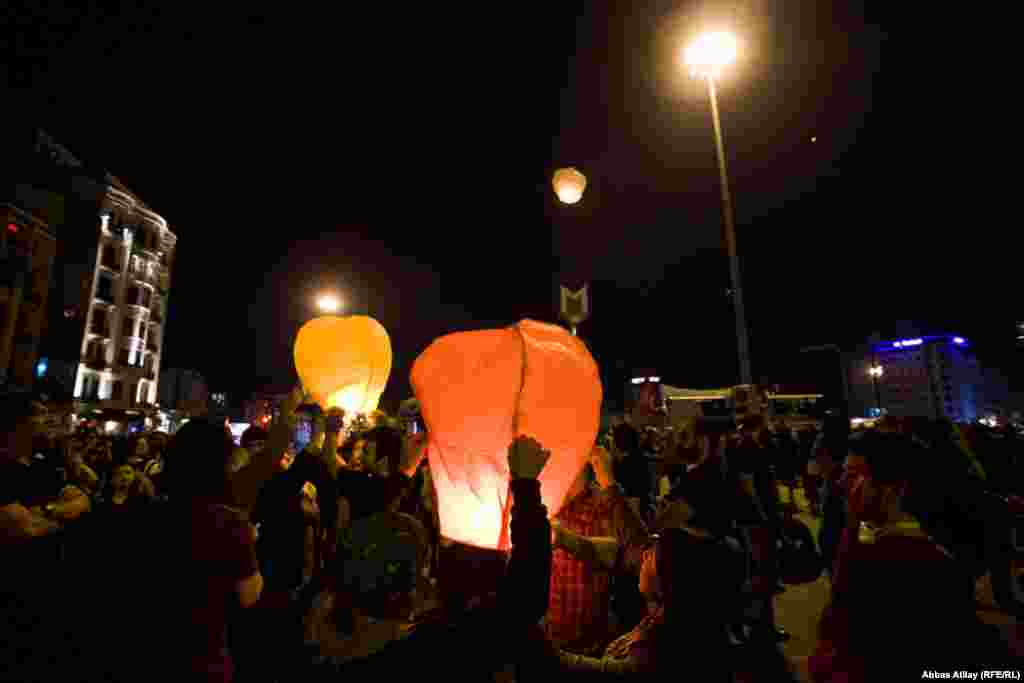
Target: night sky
403	157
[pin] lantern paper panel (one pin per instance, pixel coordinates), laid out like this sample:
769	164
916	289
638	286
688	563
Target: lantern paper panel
344	362
477	392
560	405
467	385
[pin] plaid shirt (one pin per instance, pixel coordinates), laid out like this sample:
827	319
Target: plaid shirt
578	611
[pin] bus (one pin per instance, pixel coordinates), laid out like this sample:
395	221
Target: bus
795	409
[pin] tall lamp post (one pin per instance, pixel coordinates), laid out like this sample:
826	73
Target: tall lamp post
876	373
706	57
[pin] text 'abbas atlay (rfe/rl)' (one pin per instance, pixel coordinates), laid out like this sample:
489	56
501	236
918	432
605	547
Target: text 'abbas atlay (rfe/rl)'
983	675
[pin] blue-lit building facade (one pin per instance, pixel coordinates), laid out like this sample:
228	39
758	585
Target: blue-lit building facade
929	376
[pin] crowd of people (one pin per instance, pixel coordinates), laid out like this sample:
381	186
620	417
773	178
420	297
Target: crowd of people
191	558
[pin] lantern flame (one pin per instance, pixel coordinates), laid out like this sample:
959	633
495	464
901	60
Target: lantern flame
328	303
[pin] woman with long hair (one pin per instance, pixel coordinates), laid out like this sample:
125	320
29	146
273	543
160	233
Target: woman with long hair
201	549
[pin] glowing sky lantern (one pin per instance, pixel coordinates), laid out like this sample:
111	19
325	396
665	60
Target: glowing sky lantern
569	185
344	362
477	392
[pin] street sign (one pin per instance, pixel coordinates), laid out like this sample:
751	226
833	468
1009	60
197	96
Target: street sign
575	305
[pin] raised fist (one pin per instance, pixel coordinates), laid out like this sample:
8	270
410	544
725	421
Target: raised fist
526	458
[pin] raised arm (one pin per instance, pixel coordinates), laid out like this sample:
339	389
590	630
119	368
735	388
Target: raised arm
524	595
246	483
332	429
413	453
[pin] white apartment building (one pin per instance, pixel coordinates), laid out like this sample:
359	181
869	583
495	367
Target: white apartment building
127	304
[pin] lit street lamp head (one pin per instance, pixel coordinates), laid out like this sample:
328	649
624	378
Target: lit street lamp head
569	185
711	53
328	303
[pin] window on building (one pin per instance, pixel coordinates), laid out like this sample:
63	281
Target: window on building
99	321
92	388
133	392
143	392
105	288
123	357
147	296
117	391
109	257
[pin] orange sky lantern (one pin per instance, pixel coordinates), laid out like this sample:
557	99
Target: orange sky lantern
344	362
477	392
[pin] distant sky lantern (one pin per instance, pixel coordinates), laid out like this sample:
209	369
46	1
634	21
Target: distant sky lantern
569	185
344	362
479	390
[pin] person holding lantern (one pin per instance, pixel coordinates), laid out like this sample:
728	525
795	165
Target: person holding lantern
288	511
687	575
247	482
597	535
362	624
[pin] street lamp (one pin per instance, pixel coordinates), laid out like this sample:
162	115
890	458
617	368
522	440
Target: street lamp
328	303
706	58
876	373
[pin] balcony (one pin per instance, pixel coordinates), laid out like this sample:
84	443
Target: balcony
143	276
